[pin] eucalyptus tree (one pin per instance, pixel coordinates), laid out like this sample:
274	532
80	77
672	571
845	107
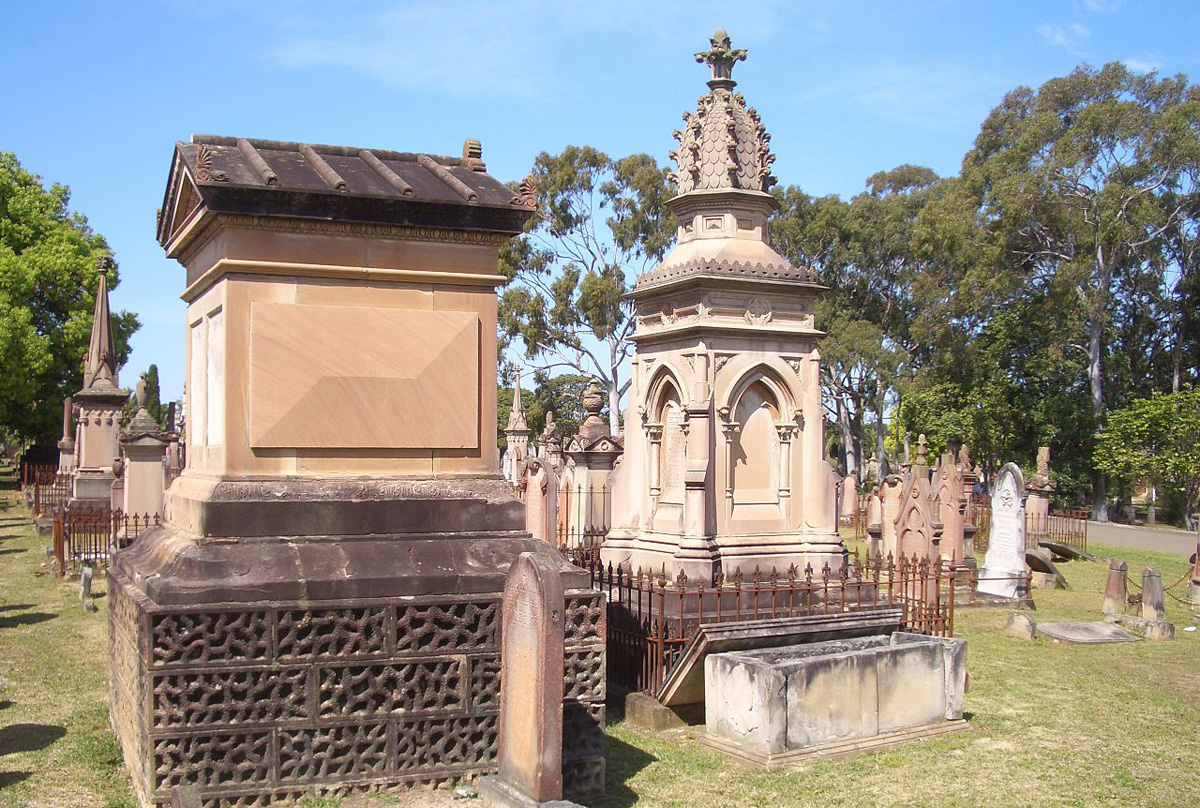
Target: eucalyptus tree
1079	184
598	224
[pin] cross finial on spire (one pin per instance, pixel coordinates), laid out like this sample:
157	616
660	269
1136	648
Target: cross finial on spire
721	59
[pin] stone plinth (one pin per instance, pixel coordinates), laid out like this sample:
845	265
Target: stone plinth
321	609
831	698
144	446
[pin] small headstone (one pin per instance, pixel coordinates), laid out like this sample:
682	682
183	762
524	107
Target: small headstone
1153	607
185	797
1022	626
1115	589
85	589
531	692
1004	564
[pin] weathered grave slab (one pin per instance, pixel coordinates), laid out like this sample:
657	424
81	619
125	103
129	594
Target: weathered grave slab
684	684
1085	633
1022	626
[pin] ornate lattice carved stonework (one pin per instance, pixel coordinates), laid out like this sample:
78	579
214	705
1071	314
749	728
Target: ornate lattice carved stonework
260	705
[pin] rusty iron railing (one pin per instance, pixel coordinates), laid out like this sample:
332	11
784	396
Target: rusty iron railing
87	537
651	620
52	493
1070	528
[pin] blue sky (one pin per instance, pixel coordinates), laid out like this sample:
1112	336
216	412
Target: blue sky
95	94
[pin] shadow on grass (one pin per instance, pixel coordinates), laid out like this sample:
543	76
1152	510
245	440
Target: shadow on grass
12	550
5	704
27	619
12	778
28	737
623	762
12	607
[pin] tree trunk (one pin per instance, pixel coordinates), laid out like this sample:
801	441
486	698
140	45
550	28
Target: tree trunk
614	407
1095	325
844	438
880	442
856	445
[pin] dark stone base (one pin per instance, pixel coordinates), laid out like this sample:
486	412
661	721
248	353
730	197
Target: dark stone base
266	668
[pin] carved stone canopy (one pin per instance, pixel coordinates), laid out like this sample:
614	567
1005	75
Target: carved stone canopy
724	144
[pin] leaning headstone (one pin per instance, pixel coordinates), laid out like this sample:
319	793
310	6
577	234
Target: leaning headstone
1115	590
1004	564
1153	607
85	589
531	687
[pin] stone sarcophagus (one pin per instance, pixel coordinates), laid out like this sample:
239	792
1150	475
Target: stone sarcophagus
320	610
833	698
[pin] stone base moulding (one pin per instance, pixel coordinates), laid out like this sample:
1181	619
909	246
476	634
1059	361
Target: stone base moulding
496	793
761	760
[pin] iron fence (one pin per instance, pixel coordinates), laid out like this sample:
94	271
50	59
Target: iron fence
87	537
1070	528
651	619
51	493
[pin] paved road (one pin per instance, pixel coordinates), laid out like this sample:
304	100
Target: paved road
1164	540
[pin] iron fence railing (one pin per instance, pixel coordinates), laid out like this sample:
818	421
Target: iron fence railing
1070	528
651	619
87	537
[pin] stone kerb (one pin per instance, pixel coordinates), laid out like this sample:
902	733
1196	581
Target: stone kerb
1004	564
531	691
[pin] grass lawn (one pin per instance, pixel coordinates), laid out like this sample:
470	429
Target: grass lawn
1050	724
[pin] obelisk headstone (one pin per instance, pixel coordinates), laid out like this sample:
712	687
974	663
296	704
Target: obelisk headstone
1004	564
1115	588
531	689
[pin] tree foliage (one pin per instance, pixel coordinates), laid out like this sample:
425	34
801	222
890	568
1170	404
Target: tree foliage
1157	439
48	282
599	222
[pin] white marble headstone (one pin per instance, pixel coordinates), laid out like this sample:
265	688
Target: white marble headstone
1004	563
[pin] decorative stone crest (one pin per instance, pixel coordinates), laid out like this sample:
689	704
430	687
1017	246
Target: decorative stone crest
526	193
758	311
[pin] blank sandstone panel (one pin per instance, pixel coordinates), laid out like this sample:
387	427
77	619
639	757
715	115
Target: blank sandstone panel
357	377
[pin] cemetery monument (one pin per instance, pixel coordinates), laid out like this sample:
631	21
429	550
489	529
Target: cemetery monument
321	608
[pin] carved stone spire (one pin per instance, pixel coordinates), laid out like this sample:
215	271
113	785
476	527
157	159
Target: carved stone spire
100	366
516	417
721	59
